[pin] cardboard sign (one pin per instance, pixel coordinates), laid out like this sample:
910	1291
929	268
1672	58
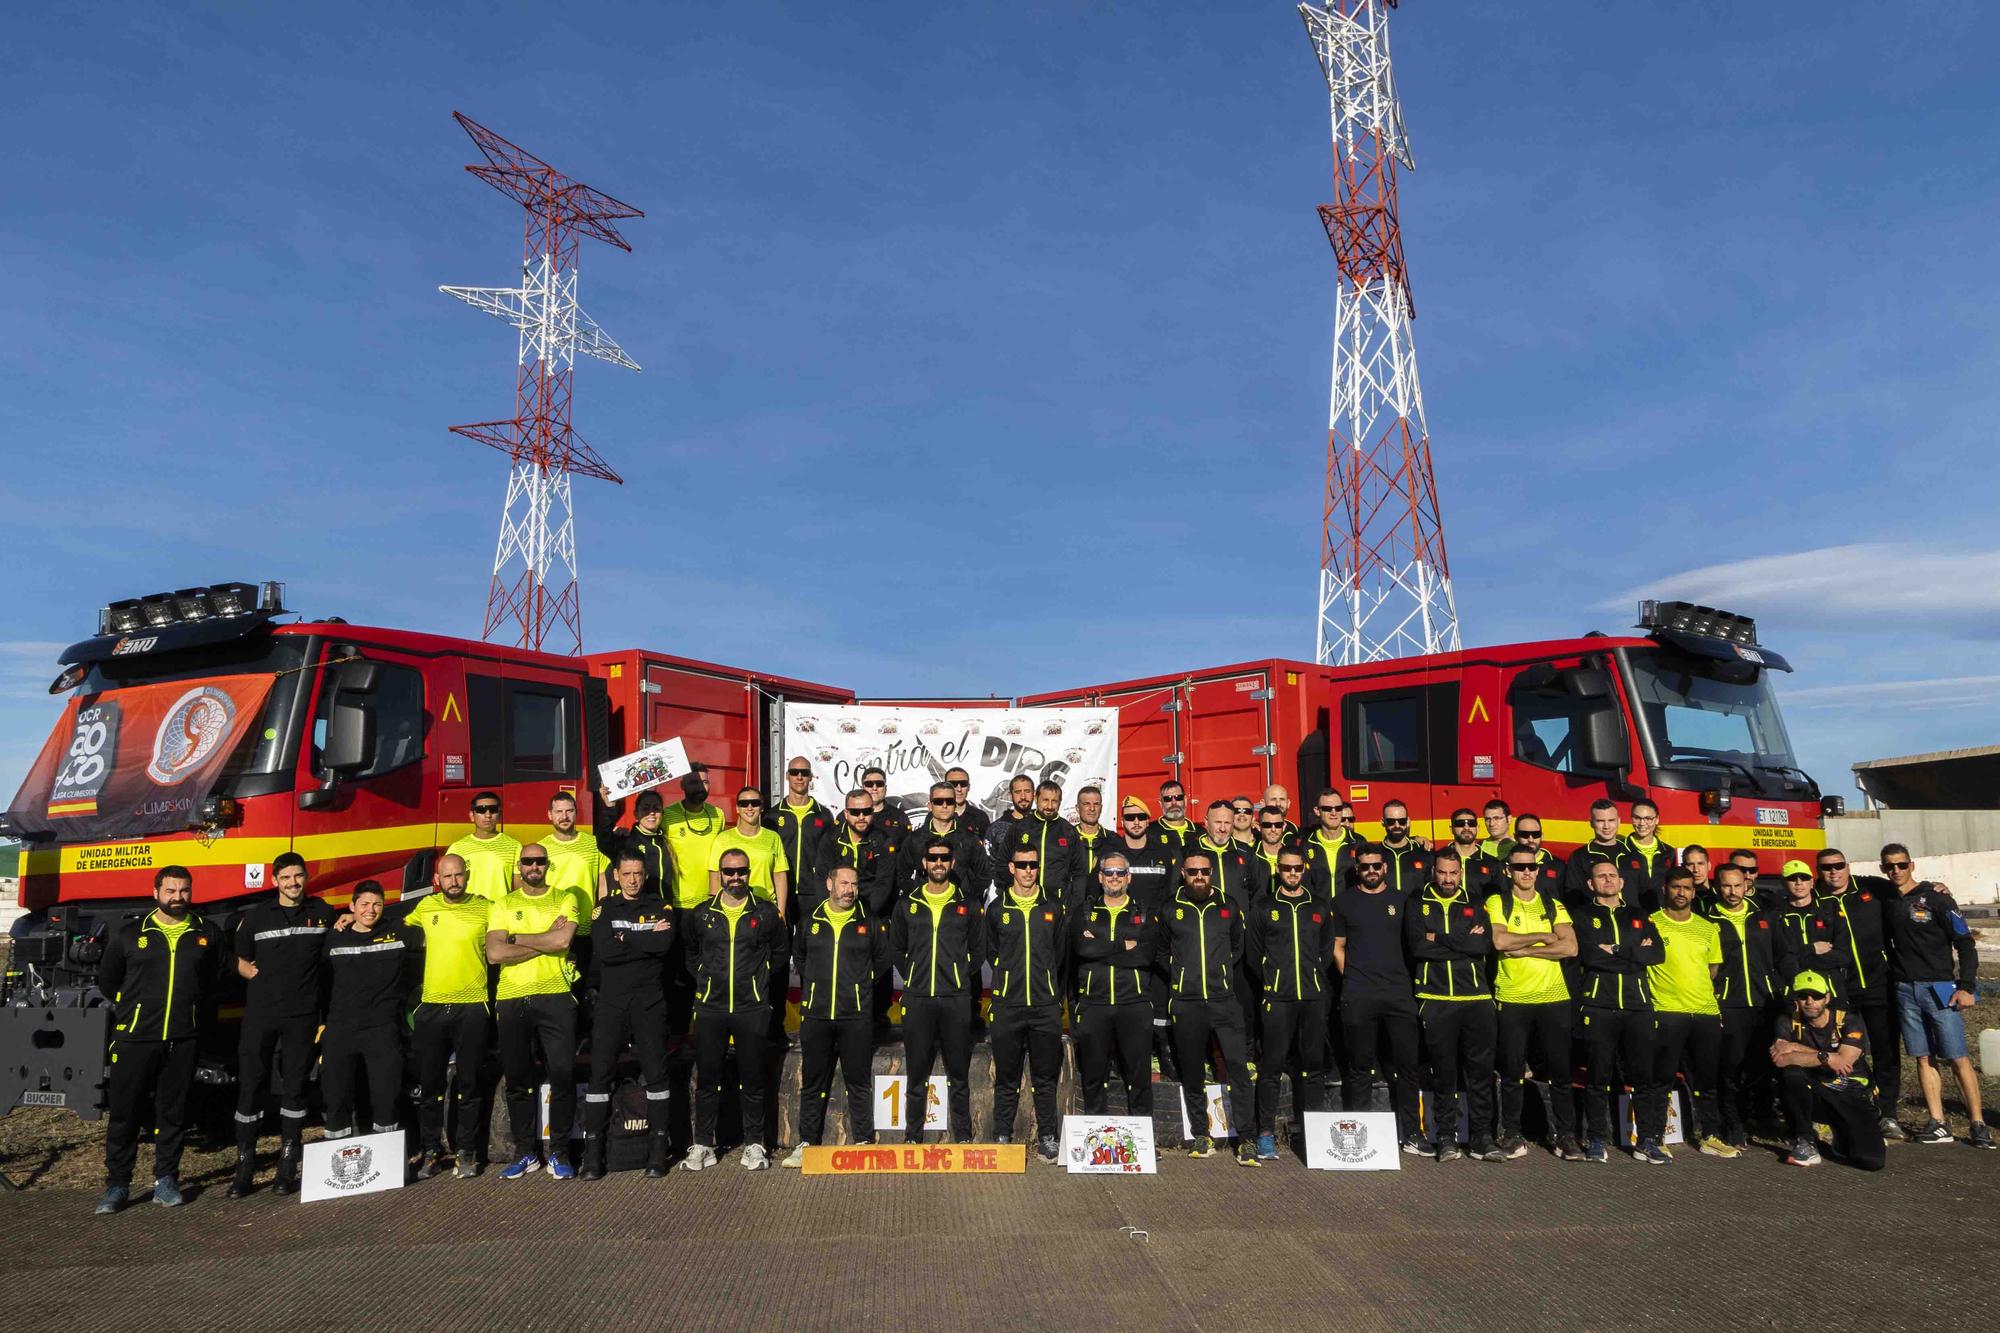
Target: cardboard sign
576	1117
1352	1141
1628	1120
1218	1114
630	774
889	1090
1106	1145
934	1159
360	1164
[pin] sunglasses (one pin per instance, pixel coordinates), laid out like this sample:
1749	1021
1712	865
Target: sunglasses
733	872
960	783
1465	823
1132	815
942	800
1394	823
1270	823
1896	865
937	856
1195	872
1291	867
1534	833
1024	865
1106	872
1809	995
1371	865
1519	867
875	784
749	805
1327	809
485	809
1798	879
1833	865
859	810
1172	800
1239	809
534	860
798	772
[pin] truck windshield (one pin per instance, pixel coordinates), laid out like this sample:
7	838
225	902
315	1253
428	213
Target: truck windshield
270	749
1705	714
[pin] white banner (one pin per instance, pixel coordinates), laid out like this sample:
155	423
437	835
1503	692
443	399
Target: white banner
630	774
1109	1145
1352	1141
363	1164
916	746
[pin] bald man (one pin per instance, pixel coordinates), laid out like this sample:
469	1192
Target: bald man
1275	795
451	1016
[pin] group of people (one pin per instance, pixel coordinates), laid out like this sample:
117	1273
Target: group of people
1240	943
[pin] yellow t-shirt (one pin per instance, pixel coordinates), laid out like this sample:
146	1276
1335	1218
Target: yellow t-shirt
688	834
454	948
1524	980
520	914
489	864
766	852
1682	984
576	866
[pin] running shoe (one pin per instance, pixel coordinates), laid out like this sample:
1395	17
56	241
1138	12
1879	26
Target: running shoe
699	1158
1651	1154
1246	1155
524	1165
1892	1132
1267	1147
1935	1132
796	1158
1203	1146
1802	1153
1569	1150
1418	1146
1982	1135
1449	1151
755	1158
1596	1151
1511	1148
561	1170
1714	1146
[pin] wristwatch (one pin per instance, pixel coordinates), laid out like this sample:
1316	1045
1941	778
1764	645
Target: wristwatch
511	940
1825	1059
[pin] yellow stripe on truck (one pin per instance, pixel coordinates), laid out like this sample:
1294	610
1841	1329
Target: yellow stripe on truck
1727	837
94	858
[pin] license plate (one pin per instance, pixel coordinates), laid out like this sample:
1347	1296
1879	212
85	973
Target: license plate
1770	814
45	1099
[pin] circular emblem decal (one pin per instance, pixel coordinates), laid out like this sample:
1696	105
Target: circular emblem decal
190	733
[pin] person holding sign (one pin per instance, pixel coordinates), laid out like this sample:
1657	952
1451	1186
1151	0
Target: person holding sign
731	940
1290	946
1204	951
528	935
634	940
936	937
840	954
1114	940
1027	936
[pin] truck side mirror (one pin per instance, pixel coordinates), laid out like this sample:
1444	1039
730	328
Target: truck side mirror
1832	807
1604	743
349	743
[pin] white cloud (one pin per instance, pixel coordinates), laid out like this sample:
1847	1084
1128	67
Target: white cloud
1938	692
1944	589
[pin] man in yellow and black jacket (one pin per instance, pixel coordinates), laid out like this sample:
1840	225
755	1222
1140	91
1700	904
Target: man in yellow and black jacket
1615	945
1026	934
1113	939
841	953
1289	945
935	936
1447	935
731	940
1329	848
1745	989
856	843
159	972
1203	954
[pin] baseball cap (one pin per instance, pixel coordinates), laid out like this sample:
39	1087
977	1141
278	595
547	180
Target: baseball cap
1811	981
1134	803
1798	868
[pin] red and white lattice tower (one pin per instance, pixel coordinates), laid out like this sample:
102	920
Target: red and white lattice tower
538	522
1384	585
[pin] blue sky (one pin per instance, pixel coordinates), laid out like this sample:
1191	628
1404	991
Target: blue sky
1021	311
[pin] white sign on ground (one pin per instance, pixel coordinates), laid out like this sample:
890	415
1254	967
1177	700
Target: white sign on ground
1218	1114
343	1168
889	1092
1108	1145
1352	1141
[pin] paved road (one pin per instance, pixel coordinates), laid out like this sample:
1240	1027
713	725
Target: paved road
1534	1243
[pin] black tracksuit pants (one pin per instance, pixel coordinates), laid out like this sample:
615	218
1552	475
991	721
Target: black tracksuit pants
851	1042
375	1053
1848	1107
1124	1032
1885	1049
150	1080
1690	1045
714	1029
934	1025
1743	1071
290	1038
1618	1047
1195	1023
639	1017
537	1043
1461	1036
1368	1026
444	1030
1535	1035
1028	1035
1294	1042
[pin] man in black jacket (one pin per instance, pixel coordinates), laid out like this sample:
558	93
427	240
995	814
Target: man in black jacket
1446	932
1860	907
635	937
935	938
731	940
1926	936
278	956
373	972
1113	940
1203	957
857	844
1810	937
1604	845
1027	939
1051	838
158	972
1615	945
1289	947
842	951
968	849
1744	989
